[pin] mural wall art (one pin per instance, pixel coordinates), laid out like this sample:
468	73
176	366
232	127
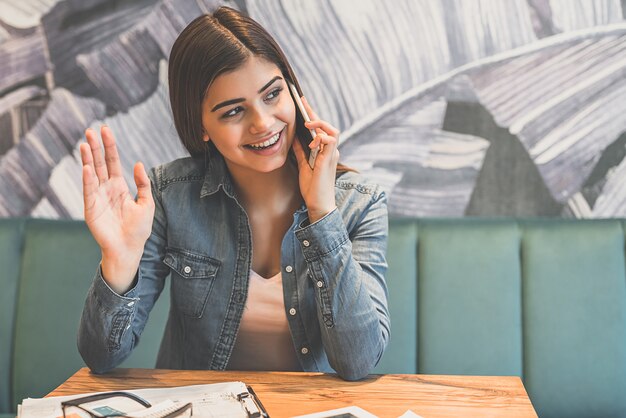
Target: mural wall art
458	108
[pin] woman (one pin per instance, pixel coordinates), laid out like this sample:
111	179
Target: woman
274	265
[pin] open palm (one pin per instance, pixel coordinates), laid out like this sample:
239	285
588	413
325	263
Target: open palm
119	223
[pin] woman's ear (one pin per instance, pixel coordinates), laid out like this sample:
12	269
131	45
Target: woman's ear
205	136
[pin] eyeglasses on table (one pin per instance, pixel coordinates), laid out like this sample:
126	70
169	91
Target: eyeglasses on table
79	403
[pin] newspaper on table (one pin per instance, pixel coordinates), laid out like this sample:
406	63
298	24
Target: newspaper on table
352	412
345	412
219	400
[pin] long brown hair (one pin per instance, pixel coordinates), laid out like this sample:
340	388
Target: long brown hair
208	47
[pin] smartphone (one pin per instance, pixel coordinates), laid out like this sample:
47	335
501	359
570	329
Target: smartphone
304	135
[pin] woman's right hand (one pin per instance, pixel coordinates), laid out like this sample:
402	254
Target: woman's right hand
120	224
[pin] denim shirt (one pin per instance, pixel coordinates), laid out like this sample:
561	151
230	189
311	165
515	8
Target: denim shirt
333	278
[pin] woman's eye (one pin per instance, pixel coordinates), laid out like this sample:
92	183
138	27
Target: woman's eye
273	94
233	112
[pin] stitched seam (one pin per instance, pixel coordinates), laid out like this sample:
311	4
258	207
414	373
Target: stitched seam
324	298
117	330
205	287
197	257
167	182
361	188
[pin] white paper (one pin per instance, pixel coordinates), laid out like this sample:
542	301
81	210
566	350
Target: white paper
159	410
347	412
409	414
217	400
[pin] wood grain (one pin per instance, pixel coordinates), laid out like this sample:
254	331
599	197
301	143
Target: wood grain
289	393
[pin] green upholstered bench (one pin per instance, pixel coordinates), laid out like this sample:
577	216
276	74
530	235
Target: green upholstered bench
47	268
540	299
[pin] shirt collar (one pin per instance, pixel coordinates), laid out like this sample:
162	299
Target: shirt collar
216	174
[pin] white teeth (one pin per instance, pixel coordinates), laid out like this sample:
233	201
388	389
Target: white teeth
267	143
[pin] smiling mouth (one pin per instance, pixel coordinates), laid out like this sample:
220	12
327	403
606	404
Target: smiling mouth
267	144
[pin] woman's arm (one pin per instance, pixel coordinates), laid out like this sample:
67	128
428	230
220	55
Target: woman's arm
347	270
130	234
111	324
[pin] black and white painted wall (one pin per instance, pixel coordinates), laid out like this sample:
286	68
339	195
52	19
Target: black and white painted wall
458	108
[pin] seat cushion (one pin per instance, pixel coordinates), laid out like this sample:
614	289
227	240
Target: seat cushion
59	262
574	315
10	254
401	353
469	306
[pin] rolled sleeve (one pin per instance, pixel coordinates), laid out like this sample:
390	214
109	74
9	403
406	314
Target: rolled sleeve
107	316
323	236
107	296
345	256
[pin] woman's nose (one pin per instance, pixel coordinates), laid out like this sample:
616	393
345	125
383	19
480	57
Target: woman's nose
261	122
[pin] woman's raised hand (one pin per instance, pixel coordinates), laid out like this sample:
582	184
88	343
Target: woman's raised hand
120	224
317	185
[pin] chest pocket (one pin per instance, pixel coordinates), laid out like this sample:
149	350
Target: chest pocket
192	279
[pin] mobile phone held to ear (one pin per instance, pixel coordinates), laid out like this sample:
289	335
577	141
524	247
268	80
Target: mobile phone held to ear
304	135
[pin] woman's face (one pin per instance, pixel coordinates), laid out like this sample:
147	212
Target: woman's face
250	117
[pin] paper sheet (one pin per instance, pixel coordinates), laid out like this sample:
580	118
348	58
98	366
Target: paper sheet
217	400
347	412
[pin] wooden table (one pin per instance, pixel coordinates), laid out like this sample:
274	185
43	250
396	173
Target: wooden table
292	393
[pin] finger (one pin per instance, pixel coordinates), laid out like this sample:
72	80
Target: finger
320	126
327	142
299	152
111	156
316	142
96	153
90	181
322	140
85	154
308	109
90	187
324	126
328	149
144	191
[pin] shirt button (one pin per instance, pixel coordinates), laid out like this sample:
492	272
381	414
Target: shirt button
288	269
306	243
187	269
292	311
130	304
320	284
304	350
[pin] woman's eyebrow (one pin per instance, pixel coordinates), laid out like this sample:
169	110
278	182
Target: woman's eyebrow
241	99
269	83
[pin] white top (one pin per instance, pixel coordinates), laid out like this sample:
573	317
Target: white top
264	340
